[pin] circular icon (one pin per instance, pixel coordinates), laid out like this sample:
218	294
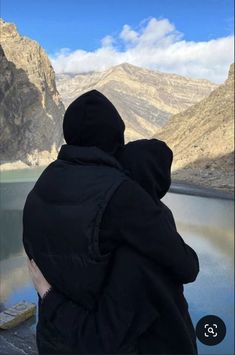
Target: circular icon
210	330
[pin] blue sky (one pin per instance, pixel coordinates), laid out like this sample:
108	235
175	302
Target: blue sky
82	24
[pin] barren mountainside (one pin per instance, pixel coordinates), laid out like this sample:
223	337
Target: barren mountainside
145	99
31	109
202	139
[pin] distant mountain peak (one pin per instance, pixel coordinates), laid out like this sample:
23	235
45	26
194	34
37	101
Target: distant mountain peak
126	66
8	30
131	68
145	98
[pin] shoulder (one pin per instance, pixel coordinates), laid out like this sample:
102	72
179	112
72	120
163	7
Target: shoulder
130	197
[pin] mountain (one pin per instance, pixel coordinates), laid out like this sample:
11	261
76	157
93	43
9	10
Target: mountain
31	110
202	139
145	99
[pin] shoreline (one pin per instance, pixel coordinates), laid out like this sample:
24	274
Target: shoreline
190	188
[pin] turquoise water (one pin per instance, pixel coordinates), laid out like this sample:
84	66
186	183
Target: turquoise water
27	174
206	224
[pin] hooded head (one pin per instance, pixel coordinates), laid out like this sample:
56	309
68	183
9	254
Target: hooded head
92	120
149	163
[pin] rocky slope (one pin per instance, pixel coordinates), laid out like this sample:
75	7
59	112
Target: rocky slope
202	139
31	110
144	98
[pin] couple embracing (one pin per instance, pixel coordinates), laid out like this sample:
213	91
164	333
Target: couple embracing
103	250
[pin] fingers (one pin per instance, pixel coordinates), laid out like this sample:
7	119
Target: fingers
32	267
32	263
29	264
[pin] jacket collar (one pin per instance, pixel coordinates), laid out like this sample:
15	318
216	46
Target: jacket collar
87	156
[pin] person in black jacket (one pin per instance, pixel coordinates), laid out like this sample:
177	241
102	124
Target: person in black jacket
113	310
149	163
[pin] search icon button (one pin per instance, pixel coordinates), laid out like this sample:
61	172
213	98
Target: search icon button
210	330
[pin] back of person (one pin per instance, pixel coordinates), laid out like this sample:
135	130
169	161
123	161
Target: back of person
61	220
148	162
62	213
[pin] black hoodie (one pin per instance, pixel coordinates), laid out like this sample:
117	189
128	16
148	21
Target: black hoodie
148	162
92	120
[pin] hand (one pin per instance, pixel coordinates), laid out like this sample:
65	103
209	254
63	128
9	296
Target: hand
39	281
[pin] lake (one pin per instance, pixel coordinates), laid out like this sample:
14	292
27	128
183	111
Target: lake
206	224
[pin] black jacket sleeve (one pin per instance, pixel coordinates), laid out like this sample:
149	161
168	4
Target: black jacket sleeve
125	310
133	217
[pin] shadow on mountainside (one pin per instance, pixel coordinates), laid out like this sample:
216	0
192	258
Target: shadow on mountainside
217	173
26	125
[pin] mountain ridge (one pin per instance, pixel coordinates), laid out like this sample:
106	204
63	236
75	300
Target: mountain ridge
145	98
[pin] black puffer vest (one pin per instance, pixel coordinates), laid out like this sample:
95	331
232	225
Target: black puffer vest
61	220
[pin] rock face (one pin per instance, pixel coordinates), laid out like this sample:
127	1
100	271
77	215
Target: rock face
31	110
144	98
202	139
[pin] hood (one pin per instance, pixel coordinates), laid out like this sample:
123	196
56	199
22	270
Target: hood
149	163
92	120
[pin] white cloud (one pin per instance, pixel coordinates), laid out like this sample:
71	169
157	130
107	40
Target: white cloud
128	35
156	44
107	41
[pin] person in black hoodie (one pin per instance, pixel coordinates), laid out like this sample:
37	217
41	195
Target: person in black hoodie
149	163
85	303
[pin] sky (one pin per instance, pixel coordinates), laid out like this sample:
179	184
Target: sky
188	37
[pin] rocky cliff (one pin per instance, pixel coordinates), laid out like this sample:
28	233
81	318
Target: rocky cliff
202	139
145	99
31	110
